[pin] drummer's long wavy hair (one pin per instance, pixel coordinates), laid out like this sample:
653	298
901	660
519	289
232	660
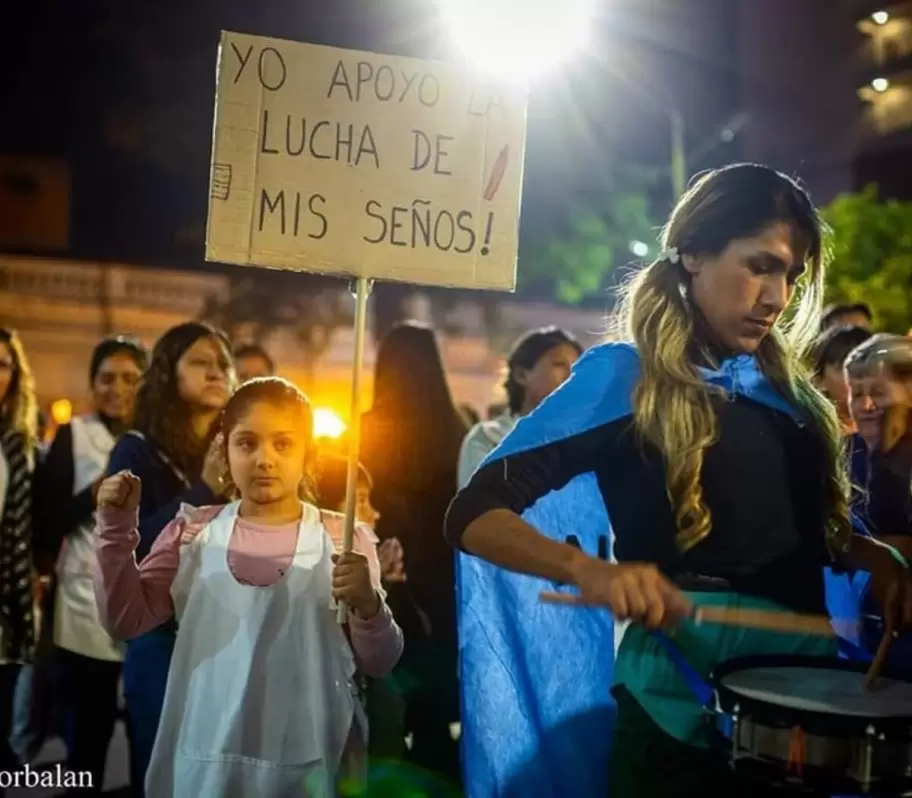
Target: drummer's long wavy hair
673	408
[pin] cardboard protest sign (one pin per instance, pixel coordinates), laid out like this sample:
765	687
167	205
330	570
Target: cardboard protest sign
345	162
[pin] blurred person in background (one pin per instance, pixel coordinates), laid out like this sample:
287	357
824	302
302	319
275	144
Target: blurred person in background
880	384
87	661
252	360
18	460
494	410
844	589
411	439
469	414
856	314
171	449
540	361
829	357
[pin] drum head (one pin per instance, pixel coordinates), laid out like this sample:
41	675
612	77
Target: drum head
802	690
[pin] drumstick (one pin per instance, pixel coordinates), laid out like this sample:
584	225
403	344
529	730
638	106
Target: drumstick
883	648
771	620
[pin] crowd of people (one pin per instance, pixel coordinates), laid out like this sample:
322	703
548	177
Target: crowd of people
90	609
183	542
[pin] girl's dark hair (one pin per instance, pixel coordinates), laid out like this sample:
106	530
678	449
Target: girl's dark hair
332	475
414	425
121	344
161	414
527	351
275	391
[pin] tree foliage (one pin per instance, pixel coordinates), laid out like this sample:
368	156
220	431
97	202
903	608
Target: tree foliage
872	256
311	307
580	259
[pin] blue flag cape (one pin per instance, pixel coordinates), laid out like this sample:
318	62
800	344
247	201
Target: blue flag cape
537	715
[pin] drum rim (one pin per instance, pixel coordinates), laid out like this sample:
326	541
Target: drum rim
824	723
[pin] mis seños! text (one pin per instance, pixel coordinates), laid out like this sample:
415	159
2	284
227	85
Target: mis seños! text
417	225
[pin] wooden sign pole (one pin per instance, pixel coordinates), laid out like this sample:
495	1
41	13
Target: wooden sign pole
362	291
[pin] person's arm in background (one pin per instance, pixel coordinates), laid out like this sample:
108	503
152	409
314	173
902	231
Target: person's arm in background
163	491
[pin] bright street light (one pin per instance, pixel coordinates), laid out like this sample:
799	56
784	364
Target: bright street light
327	424
880	17
880	84
517	40
639	248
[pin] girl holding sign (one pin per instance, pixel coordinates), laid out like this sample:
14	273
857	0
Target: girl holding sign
260	697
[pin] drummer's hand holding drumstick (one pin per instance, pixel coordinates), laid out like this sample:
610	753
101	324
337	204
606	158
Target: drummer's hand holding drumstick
632	591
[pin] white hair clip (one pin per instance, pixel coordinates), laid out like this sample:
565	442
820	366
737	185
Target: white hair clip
671	254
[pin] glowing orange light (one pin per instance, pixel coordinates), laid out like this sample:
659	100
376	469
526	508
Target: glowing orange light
327	423
62	411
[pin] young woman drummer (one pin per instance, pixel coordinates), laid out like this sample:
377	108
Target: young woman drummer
712	454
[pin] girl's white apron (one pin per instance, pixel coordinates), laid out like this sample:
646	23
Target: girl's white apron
77	626
260	698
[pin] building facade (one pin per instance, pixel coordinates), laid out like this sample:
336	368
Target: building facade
884	83
62	308
829	88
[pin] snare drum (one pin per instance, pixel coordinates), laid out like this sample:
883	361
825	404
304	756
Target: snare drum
809	722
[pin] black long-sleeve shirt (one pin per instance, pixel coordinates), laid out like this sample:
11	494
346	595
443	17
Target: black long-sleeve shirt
57	510
763	482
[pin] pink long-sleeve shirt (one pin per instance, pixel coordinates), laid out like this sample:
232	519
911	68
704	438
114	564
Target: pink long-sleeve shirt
135	598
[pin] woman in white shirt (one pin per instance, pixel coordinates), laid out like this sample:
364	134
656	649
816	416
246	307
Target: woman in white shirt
87	661
539	363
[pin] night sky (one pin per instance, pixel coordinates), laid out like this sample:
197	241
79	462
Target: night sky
124	90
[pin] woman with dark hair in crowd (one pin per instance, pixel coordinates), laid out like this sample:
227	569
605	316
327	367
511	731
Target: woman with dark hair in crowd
18	456
540	361
170	448
411	439
87	661
829	357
